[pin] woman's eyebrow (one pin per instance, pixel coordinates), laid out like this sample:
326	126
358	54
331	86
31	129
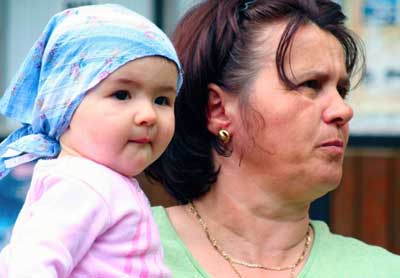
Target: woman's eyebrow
321	74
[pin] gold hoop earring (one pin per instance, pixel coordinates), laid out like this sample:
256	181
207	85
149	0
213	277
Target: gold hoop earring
224	136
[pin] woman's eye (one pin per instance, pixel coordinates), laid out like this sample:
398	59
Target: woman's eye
312	84
121	95
343	91
162	101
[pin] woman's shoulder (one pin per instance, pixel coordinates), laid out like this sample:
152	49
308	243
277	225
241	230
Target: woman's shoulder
350	255
343	243
177	256
167	222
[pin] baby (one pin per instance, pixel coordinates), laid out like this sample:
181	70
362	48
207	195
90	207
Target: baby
95	97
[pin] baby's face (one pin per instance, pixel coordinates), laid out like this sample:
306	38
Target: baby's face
127	121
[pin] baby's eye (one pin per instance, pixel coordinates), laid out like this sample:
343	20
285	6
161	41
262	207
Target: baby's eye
121	95
162	100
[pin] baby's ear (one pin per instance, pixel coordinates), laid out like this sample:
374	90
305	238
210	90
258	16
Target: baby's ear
219	104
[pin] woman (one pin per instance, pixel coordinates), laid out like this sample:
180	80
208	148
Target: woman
261	130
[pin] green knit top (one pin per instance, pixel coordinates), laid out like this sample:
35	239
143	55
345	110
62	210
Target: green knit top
332	256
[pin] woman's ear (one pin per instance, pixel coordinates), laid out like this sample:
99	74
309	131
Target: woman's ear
219	102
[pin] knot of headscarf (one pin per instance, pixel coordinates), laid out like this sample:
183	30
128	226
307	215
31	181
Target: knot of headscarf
78	48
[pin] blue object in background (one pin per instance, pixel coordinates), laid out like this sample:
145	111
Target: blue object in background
320	209
381	12
13	189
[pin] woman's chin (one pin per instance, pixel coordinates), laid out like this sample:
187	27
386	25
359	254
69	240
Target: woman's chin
329	185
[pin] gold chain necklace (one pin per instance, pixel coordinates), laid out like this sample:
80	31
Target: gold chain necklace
232	261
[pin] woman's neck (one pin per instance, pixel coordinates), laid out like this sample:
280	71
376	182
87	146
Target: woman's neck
253	225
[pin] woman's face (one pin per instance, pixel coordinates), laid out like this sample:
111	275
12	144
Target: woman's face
304	133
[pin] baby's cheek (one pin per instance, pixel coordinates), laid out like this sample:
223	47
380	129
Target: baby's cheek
167	137
168	127
164	138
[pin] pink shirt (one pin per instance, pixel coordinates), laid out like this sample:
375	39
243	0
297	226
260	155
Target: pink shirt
83	220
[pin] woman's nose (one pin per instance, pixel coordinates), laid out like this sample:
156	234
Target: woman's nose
337	111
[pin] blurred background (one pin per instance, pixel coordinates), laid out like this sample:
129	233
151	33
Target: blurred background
366	205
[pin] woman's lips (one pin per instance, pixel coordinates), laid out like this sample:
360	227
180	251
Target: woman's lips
334	146
336	143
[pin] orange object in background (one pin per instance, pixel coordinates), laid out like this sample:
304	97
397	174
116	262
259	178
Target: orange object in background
367	203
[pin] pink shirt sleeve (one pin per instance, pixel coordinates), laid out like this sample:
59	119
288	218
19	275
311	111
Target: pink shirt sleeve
55	231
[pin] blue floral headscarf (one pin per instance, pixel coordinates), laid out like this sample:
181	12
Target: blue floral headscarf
78	48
